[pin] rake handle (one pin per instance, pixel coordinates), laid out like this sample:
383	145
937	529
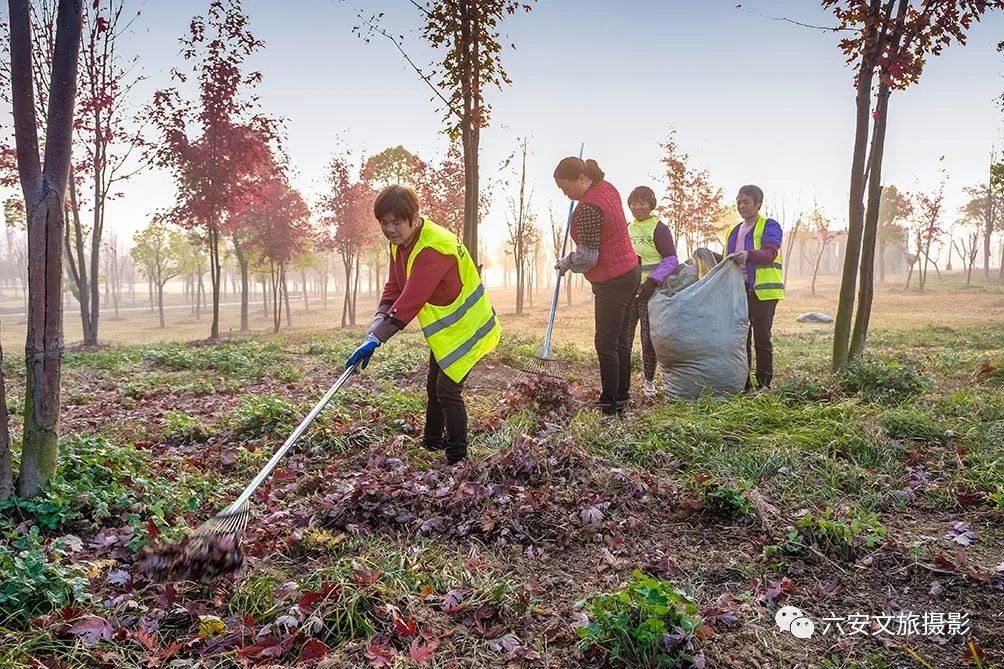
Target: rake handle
545	352
272	463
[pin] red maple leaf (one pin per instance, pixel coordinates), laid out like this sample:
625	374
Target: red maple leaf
405	629
422	653
312	650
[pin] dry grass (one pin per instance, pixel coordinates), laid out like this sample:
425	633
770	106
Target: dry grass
945	303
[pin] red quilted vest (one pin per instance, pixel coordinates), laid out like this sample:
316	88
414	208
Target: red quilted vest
617	254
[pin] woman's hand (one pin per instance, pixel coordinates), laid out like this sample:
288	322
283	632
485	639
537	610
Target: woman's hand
647	289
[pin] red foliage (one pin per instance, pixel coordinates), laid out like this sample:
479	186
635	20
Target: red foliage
441	190
899	42
348	211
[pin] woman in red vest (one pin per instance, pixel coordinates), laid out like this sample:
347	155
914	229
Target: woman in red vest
605	255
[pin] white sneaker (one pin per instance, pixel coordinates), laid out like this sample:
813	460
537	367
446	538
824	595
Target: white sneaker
649	389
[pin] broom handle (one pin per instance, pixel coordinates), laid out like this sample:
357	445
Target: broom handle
267	469
546	351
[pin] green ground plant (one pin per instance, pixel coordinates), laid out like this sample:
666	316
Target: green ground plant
648	623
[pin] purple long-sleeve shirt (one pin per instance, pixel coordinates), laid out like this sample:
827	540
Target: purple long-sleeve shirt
664	244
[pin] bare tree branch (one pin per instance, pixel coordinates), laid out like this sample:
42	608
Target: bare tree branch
785	19
377	29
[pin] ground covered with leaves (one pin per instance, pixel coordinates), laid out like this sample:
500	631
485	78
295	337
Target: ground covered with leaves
670	538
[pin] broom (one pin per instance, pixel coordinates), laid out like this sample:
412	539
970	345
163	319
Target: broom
544	364
214	547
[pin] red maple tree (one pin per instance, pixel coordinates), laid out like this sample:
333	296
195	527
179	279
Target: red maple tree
211	145
348	215
279	227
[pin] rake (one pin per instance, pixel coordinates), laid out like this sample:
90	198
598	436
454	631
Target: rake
544	364
234	518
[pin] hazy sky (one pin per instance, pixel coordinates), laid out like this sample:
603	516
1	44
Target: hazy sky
752	99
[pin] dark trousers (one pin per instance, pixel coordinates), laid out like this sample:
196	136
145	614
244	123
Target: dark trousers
445	409
613	338
639	313
761	313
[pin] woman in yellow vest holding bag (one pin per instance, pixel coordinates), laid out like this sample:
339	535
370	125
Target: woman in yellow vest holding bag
653	242
755	244
432	276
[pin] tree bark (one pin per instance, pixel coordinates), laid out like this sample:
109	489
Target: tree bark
866	290
243	263
78	267
347	262
215	271
285	294
306	302
355	293
856	209
160	304
44	191
6	459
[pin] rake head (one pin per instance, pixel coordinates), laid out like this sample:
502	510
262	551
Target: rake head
210	551
228	521
540	365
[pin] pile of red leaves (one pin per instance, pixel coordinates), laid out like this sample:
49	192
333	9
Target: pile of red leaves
199	557
544	396
523	494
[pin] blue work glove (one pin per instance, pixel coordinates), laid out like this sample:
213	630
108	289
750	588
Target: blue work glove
363	353
564	265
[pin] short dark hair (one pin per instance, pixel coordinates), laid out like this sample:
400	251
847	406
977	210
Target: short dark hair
754	192
571	167
643	194
398	201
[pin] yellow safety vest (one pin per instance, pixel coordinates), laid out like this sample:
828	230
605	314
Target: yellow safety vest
768	280
642	238
465	331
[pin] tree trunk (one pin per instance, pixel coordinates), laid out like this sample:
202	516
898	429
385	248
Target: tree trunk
264	297
44	191
866	291
815	270
988	229
355	293
78	267
1000	271
160	305
44	344
855	214
242	262
347	262
469	60
285	295
6	460
306	302
215	271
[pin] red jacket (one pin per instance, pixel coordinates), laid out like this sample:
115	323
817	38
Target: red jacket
617	254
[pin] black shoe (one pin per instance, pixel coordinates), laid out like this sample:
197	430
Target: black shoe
455	453
434	446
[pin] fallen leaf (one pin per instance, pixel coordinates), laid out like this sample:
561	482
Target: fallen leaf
312	650
405	629
453	601
210	626
119	577
422	653
92	630
379	656
72	543
936	589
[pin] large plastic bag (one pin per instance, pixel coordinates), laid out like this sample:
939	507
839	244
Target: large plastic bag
699	328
